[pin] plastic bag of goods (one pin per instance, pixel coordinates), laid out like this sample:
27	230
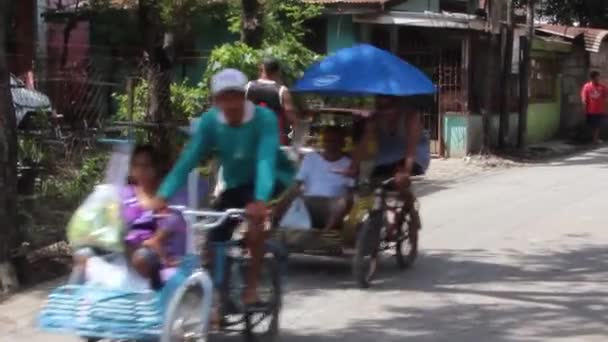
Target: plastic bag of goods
98	221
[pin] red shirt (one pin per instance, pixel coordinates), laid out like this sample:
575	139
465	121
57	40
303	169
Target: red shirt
594	97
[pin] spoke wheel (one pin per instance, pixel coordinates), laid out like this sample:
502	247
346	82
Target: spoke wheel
407	242
365	260
187	323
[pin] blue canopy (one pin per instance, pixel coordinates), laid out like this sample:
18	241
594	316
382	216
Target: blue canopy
364	70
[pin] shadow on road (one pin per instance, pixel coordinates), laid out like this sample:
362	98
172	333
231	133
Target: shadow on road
560	292
591	155
597	157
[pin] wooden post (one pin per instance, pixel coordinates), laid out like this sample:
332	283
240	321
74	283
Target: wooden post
440	116
524	79
505	84
495	11
466	83
490	92
394	39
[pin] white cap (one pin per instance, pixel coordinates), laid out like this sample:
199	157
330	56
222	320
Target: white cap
228	79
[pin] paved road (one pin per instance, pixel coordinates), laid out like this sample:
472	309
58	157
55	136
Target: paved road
517	255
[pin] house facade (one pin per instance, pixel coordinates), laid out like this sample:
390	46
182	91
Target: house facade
589	51
439	37
450	41
82	63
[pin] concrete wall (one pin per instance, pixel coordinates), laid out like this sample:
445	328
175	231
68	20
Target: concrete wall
475	129
599	60
574	74
463	134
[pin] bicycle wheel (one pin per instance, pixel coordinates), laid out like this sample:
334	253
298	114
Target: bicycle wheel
365	260
407	241
262	319
186	322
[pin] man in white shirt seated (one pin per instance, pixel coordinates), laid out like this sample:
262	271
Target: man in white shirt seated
328	195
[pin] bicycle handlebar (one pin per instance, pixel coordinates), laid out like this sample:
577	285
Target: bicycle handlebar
217	217
388	182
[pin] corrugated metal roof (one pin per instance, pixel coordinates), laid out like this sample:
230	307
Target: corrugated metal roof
593	37
425	19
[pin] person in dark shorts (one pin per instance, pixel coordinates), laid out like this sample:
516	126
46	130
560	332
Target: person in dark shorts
593	97
402	149
268	91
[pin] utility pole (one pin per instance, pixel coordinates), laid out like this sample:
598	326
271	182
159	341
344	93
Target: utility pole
526	46
505	77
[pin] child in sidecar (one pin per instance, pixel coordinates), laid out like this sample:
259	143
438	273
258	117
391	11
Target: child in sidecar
153	244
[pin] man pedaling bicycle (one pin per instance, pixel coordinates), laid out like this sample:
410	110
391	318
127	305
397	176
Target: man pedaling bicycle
401	150
245	140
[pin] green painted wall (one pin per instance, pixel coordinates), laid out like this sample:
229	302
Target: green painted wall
543	118
543	122
210	33
341	32
539	45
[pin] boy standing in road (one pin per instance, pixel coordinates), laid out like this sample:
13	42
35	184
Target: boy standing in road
593	96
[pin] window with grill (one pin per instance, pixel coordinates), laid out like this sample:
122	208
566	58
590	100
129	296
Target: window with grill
543	75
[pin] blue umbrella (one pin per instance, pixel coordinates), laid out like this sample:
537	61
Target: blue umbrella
364	70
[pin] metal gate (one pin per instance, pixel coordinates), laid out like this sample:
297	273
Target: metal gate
443	62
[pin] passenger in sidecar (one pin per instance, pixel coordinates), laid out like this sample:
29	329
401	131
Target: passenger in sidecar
153	243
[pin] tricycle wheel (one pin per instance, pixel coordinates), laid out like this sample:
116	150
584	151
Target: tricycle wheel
365	260
262	319
407	242
186	322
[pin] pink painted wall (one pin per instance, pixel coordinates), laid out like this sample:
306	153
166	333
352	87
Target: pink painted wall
20	61
67	74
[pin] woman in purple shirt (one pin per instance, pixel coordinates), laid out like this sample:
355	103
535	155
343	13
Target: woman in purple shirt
153	243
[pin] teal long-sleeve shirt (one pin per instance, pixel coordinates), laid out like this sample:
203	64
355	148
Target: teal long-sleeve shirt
248	154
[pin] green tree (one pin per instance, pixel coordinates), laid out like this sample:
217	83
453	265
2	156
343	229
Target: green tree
283	33
586	13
